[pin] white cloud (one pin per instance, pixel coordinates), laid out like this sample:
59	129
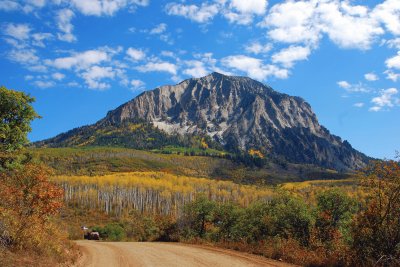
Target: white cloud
196	68
306	21
58	76
253	67
388	12
105	7
358	105
17	31
201	14
80	60
242	12
160	66
9	5
25	6
250	6
168	54
95	74
353	88
289	55
135	54
344	84
44	84
375	108
23	56
346	27
393	62
387	98
371	77
64	17
394	43
257	48
137	85
39	38
292	22
393	76
160	28
29	77
37	3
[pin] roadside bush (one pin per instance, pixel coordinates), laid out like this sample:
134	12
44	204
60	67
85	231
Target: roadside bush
290	217
111	232
140	227
252	223
376	229
335	211
197	218
227	221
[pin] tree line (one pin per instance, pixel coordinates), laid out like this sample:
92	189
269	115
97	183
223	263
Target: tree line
335	229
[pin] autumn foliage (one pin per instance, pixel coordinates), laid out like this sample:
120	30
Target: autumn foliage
376	228
28	200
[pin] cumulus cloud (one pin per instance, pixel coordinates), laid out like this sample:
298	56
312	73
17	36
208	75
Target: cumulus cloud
160	28
105	7
39	38
159	66
289	55
137	85
358	105
135	54
195	68
348	26
393	62
353	88
26	6
58	76
388	13
201	65
64	17
95	74
44	84
344	84
387	98
243	12
235	11
305	22
18	31
23	56
80	60
292	22
371	77
250	6
257	48
394	43
254	67
391	75
203	13
9	5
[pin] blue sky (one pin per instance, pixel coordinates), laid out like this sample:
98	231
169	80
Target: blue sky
80	59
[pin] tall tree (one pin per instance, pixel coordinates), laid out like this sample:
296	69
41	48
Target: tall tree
16	114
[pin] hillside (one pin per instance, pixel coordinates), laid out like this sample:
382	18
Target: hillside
91	161
235	114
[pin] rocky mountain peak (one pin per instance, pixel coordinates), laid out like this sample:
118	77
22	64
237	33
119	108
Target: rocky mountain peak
240	114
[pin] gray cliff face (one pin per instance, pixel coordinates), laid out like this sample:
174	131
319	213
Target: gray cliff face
241	113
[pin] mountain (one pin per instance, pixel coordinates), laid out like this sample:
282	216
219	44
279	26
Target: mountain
236	113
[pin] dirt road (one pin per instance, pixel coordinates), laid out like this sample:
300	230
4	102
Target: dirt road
109	254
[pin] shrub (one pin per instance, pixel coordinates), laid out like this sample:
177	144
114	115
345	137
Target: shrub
376	229
112	232
197	215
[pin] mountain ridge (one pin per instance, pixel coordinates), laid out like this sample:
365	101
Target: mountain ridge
238	113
